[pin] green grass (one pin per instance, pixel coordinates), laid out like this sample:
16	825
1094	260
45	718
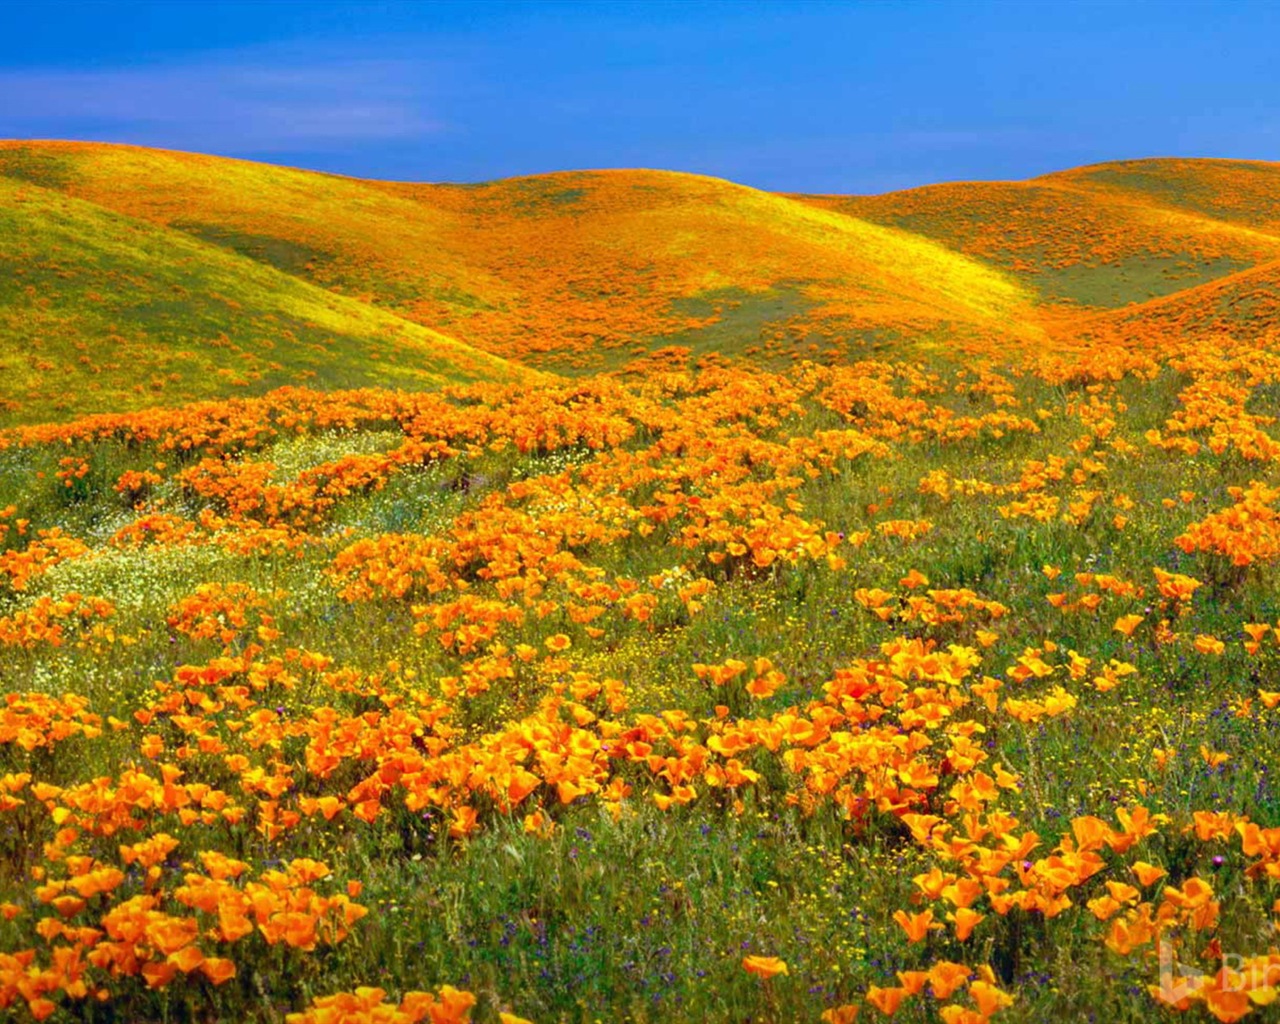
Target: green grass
1138	279
744	320
37	167
1186	185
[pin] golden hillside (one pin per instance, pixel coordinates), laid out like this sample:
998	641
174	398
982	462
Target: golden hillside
1099	237
573	270
145	275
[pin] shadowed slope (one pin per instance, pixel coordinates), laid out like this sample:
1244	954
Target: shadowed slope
1242	307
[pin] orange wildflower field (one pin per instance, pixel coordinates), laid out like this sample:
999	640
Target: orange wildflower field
629	595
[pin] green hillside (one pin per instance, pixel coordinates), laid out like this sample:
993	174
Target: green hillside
99	311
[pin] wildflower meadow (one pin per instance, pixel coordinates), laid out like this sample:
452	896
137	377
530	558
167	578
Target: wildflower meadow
740	648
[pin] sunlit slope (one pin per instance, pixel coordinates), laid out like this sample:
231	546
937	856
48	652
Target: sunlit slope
99	311
1093	247
575	270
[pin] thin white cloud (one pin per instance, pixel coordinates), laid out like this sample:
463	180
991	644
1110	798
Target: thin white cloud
253	101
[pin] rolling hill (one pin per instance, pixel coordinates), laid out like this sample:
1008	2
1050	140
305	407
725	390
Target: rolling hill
1085	239
573	271
1242	192
103	312
143	275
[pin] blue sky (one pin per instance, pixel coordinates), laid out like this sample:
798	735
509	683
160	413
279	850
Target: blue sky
851	97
